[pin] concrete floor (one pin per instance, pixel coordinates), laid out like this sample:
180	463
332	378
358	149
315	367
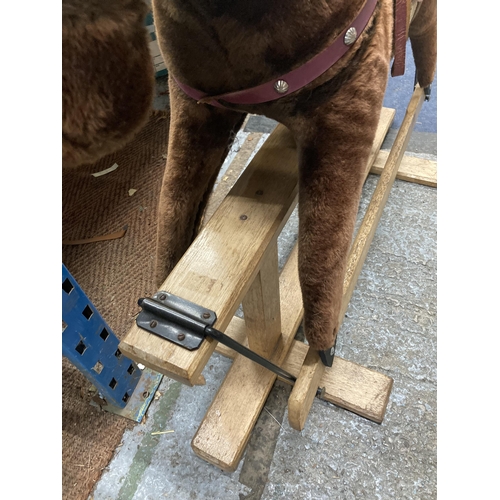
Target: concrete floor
390	326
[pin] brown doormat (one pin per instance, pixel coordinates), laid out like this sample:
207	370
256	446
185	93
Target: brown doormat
113	274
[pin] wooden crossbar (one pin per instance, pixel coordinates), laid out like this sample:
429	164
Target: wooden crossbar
219	267
411	169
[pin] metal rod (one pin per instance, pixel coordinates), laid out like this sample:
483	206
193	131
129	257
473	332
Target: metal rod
236	346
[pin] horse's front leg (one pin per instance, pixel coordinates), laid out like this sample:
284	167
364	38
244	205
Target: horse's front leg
199	138
334	143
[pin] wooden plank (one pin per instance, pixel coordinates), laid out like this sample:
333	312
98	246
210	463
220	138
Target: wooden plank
386	118
218	268
261	306
412	169
347	385
305	388
225	430
352	386
366	232
237	165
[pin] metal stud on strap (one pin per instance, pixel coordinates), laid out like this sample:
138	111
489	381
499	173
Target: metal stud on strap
350	36
281	86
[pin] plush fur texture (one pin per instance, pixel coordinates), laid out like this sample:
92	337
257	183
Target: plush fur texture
219	46
107	76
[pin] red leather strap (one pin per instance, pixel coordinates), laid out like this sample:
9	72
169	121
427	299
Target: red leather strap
400	34
295	79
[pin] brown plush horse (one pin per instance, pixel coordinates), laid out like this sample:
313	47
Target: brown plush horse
227	58
215	48
107	77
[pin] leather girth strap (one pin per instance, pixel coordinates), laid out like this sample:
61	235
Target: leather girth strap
404	12
295	79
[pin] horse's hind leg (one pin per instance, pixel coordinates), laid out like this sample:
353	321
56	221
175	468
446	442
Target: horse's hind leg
423	38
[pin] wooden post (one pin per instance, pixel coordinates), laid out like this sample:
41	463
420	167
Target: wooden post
261	306
304	390
225	430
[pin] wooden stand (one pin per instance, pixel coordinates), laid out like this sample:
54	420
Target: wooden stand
234	261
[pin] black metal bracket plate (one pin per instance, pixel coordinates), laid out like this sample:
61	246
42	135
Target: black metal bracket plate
187	324
152	319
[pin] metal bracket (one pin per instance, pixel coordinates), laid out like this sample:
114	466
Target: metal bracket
187	324
320	393
139	401
175	319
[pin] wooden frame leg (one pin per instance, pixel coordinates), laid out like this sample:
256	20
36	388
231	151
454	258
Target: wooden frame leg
304	390
225	430
261	306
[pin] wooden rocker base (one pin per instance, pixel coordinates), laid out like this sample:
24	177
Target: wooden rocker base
266	194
